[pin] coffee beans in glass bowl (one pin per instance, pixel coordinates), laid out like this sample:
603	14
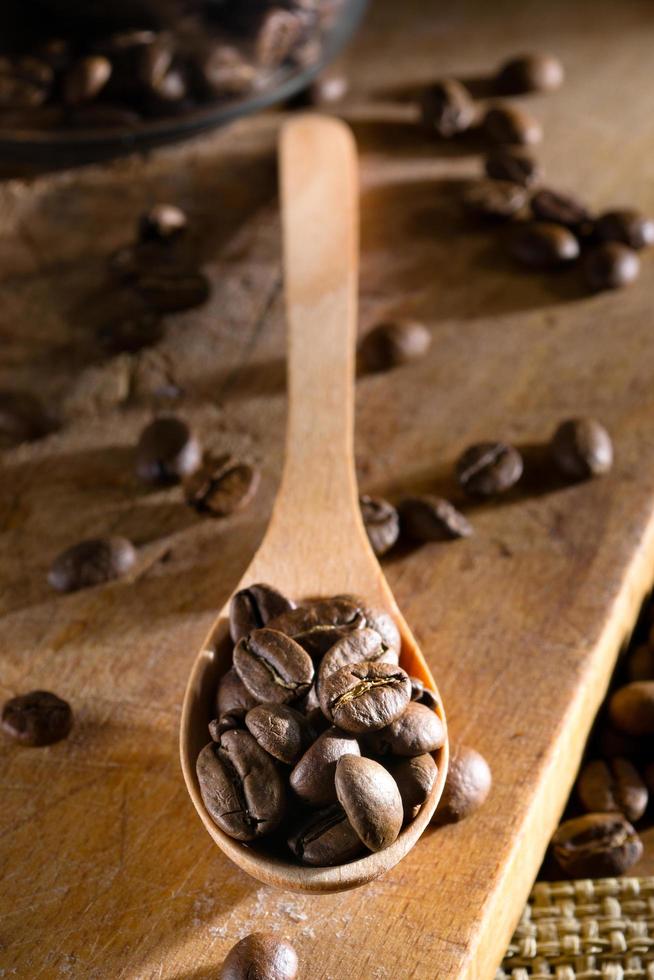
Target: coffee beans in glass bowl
313	718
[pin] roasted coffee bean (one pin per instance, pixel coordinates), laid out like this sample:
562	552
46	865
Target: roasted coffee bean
429	699
254	607
543	245
221	486
631	708
628	226
318	625
582	448
466	788
611	266
273	666
613	787
415	778
174	293
281	731
513	164
429	518
376	619
217	726
597	845
495	200
241	786
233	697
640	665
365	697
381	522
280	31
86	79
22	418
508	124
260	956
417	688
91	562
37	718
447	108
560	209
393	344
325	839
536	72
416	731
354	648
371	799
312	779
162	223
131	334
167	451
224	71
489	468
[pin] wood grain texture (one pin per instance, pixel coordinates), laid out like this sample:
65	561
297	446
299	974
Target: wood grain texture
106	870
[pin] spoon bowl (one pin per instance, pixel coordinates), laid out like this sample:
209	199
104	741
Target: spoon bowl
316	544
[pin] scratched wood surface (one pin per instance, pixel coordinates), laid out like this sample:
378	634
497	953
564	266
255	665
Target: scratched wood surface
106	870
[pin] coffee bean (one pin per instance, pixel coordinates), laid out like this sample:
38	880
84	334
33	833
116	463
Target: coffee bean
325	839
513	164
221	486
365	697
627	226
223	71
536	72
429	518
353	648
280	31
640	665
415	778
162	223
22	418
174	293
582	448
253	607
597	845
241	786
447	109
429	699
416	731
273	666
85	79
393	344
218	726
381	522
611	266
312	779
320	624
233	697
494	200
560	209
260	956
377	619
543	245
280	730
91	562
131	334
489	468
167	451
466	788
631	708
508	124
371	799
611	788
417	688
37	718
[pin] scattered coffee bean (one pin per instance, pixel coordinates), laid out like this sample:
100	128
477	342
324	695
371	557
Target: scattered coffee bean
582	448
86	79
221	486
640	665
393	344
365	697
447	109
415	778
381	522
466	788
512	164
489	468
371	799
22	418
429	518
162	223
131	334
611	266
260	956
174	293
416	731
325	839
417	688
535	72
90	563
560	209
312	779
508	124
543	245
254	607
273	666
627	226
167	451
281	731
233	697
597	845
37	718
494	200
241	786
613	787
631	708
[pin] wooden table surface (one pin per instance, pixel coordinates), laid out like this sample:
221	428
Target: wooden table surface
107	872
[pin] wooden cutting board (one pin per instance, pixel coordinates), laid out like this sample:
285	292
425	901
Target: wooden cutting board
106	870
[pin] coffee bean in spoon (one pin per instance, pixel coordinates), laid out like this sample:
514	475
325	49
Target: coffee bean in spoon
260	956
513	164
493	200
325	839
352	648
273	667
612	787
447	109
364	697
221	486
486	469
543	245
233	697
535	72
430	518
581	448
466	788
167	451
415	778
371	799
381	522
91	562
280	730
597	845
37	718
628	226
253	607
611	265
509	124
416	731
312	779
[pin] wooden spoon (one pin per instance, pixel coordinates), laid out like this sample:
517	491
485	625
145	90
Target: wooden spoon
316	543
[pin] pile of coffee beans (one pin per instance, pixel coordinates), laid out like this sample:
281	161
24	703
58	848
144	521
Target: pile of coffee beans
321	742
